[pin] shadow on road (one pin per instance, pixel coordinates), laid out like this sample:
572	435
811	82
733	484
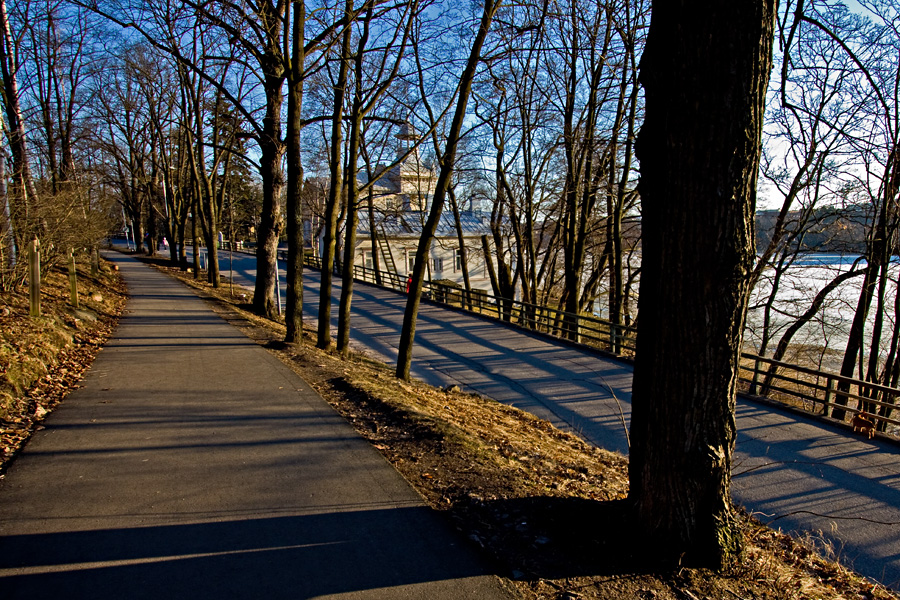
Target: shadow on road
273	558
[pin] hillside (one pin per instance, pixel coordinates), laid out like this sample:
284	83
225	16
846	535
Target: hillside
43	359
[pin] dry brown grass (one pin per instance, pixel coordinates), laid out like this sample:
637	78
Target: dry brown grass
43	358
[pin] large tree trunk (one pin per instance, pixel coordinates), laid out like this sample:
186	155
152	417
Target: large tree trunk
271	149
293	317
705	71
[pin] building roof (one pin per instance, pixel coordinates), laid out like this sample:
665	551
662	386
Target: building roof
408	224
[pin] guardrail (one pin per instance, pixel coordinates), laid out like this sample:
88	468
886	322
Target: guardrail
820	392
585	329
817	392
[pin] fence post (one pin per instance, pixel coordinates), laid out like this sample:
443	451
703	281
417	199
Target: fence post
34	277
73	279
829	390
95	262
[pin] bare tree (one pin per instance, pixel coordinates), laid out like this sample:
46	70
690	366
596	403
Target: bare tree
805	167
372	79
447	162
867	44
332	205
561	202
296	57
24	191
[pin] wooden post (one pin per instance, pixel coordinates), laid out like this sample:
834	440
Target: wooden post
34	277
95	262
73	280
829	391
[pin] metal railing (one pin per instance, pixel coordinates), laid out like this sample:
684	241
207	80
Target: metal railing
817	392
584	329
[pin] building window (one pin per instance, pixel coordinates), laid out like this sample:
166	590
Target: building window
457	260
367	259
438	265
410	261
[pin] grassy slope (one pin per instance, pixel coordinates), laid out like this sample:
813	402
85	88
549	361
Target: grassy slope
43	358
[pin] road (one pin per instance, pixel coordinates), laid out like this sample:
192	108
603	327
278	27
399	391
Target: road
798	474
193	465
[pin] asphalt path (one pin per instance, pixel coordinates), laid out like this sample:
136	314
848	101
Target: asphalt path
799	474
194	465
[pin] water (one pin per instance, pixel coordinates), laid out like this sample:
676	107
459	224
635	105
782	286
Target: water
828	331
822	341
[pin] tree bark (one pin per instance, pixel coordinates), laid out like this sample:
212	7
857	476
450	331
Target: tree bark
271	149
705	72
293	317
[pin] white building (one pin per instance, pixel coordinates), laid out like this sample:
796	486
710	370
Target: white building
401	198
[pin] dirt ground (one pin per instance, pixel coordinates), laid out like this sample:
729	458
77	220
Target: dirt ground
546	508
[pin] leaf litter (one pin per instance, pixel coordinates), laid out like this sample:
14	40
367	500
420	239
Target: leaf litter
43	359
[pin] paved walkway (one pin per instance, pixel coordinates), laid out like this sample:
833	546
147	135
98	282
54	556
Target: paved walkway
799	474
194	465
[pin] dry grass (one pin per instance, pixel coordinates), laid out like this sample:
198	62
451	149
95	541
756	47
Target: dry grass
43	358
